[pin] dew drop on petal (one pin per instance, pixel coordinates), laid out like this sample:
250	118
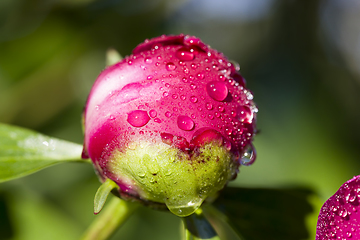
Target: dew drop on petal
148	60
184	54
193	99
192	86
138	118
217	90
209	106
157	120
153	113
249	155
245	114
200	76
170	66
185	123
168	114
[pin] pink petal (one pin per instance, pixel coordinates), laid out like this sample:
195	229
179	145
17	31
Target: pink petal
339	217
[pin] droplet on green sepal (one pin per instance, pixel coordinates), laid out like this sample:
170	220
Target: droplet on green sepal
184	210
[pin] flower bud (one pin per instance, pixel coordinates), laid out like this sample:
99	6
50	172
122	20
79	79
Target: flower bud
170	124
339	217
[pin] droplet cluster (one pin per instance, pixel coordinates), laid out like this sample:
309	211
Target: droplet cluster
339	217
199	88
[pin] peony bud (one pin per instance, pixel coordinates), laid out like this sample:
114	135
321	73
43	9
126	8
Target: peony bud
170	124
339	217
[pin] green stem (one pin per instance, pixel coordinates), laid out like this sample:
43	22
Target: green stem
196	227
115	213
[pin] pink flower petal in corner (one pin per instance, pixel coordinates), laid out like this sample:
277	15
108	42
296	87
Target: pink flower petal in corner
339	217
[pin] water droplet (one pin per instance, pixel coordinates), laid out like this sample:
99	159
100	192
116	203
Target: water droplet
150	77
185	123
141	174
182	97
245	114
193	66
167	138
192	86
184	79
193	99
138	118
217	90
249	155
179	207
209	106
221	108
157	120
174	96
165	94
200	76
168	114
170	66
148	60
153	113
184	54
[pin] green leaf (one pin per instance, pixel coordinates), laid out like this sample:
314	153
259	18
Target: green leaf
102	194
221	223
24	151
272	214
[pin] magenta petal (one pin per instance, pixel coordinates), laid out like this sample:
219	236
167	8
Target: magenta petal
339	217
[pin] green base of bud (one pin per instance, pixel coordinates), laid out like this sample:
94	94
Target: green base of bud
163	174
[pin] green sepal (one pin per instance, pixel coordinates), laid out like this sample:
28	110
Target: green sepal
102	194
112	57
24	151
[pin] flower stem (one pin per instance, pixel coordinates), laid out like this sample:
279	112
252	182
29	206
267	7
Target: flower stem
196	227
116	212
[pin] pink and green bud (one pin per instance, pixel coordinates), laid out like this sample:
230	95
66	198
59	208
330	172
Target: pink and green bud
339	217
170	124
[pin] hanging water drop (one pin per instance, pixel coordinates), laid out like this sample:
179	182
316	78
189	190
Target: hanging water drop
249	155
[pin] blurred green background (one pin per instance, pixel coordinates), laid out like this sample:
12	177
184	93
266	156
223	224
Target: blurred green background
301	58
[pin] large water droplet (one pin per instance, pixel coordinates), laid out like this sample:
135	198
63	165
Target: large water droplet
249	155
204	136
217	90
185	123
138	118
170	66
184	54
183	209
